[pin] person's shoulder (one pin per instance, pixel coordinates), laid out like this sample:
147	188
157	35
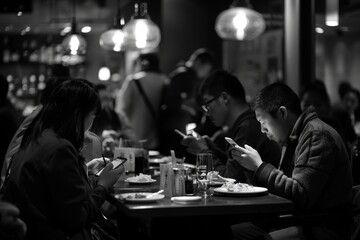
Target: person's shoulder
181	69
49	139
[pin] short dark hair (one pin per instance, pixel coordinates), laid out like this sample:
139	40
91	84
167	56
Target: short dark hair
344	87
222	81
149	62
203	55
275	95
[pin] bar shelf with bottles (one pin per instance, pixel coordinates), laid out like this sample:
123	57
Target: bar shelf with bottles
26	60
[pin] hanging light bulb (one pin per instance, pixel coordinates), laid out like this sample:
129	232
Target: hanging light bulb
239	22
113	39
74	44
140	32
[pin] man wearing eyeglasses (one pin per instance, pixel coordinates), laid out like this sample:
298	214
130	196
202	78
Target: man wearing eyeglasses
224	102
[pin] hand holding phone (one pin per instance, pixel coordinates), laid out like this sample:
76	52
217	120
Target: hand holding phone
232	142
117	162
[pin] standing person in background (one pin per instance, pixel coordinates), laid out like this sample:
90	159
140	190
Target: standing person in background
341	112
181	103
109	125
314	170
9	117
351	103
49	180
224	102
140	98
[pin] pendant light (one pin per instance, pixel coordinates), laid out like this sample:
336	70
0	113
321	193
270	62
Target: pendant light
113	39
332	13
74	44
240	22
141	32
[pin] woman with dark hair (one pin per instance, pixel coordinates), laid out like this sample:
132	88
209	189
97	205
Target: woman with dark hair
48	180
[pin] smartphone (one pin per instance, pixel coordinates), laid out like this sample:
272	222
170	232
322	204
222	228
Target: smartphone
232	142
117	162
180	133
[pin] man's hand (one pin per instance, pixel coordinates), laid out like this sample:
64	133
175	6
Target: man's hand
194	145
248	157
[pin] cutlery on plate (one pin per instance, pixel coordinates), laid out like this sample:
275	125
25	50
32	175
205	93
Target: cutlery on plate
155	193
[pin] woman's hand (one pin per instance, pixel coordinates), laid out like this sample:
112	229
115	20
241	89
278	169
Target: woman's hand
10	223
97	164
248	157
109	176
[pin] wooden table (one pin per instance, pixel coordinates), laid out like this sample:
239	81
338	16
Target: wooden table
205	219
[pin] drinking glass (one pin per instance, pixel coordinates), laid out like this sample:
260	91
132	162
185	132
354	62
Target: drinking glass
204	167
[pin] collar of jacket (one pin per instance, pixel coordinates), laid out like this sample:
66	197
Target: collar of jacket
307	115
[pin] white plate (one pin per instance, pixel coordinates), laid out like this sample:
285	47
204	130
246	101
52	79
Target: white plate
140	182
133	197
254	191
186	199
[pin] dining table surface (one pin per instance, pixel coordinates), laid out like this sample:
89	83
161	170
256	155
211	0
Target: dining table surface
218	212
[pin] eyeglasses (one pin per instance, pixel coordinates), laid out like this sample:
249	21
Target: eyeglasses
205	106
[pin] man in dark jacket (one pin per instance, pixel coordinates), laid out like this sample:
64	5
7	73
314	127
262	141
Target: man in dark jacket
314	170
224	101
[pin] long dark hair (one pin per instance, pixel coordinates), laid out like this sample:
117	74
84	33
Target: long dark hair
68	105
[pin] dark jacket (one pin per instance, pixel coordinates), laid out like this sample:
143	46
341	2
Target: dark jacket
49	184
315	173
246	130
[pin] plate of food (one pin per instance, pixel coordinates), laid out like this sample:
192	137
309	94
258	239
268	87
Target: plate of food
240	189
139	197
140	179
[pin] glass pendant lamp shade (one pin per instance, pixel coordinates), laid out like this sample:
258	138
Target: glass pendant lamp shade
141	32
239	23
74	45
112	39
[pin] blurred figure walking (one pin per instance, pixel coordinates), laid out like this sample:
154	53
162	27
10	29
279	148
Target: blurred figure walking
140	98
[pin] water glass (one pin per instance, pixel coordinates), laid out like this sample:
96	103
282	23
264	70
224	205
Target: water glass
204	166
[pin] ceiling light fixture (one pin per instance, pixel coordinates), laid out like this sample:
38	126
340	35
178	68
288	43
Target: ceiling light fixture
240	22
113	39
141	32
74	44
332	13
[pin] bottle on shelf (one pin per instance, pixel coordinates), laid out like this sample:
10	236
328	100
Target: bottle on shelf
34	55
25	51
6	51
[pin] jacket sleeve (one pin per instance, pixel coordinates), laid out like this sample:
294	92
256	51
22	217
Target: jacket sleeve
75	203
314	158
